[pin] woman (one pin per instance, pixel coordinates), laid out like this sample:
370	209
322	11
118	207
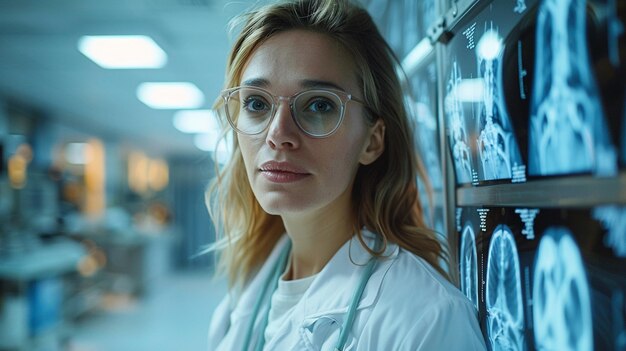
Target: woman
324	243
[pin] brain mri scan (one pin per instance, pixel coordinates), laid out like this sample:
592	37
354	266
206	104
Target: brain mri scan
469	264
503	290
567	129
561	300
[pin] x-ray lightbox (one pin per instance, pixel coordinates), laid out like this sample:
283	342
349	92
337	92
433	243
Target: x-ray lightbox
606	33
486	79
569	126
546	279
470	234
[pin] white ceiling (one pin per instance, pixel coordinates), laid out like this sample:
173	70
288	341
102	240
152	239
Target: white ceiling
41	66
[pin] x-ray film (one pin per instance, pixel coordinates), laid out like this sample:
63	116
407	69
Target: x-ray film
468	257
504	303
546	279
480	126
506	273
609	288
578	280
561	298
459	122
606	34
568	131
470	253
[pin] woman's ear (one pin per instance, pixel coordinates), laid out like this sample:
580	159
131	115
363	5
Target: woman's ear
375	145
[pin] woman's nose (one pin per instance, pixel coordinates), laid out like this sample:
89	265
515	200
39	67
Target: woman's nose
283	132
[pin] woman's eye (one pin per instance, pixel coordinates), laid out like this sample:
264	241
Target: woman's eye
321	105
255	104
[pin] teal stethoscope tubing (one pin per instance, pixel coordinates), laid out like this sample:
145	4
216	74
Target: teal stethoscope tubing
272	282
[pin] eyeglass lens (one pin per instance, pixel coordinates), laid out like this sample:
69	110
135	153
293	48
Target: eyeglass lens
317	112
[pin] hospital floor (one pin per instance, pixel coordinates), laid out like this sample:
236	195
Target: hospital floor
173	317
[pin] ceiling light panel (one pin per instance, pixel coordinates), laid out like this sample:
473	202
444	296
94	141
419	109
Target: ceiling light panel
123	51
170	95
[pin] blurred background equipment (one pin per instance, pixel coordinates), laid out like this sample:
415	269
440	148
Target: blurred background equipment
101	185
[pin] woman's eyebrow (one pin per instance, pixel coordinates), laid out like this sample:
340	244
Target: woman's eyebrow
256	82
312	83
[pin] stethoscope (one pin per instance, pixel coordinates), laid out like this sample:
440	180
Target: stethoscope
272	282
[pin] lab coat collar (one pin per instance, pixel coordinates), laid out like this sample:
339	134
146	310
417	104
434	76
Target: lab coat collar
331	292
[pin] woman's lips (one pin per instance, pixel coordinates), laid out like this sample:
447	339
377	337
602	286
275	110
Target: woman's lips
282	172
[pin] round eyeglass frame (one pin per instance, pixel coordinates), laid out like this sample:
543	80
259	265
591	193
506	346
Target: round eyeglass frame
341	95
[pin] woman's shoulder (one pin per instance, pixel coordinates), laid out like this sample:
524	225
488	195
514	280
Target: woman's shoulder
427	307
412	278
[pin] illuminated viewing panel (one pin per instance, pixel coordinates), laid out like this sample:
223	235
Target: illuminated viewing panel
545	279
480	127
568	132
505	313
562	307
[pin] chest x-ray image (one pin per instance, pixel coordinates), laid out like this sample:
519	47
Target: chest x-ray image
468	257
497	148
458	127
503	290
561	300
568	132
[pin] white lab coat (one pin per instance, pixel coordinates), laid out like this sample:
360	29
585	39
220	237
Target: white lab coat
406	305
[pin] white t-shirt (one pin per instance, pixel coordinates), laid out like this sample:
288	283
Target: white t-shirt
287	295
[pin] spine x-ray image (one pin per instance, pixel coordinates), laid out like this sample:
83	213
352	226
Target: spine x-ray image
468	258
497	148
505	312
457	128
561	301
568	133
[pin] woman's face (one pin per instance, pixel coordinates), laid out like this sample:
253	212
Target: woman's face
290	172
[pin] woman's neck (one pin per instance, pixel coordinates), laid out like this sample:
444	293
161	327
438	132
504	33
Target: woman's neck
316	238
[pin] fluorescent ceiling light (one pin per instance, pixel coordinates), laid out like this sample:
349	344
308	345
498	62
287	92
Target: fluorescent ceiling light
123	51
170	95
417	56
196	121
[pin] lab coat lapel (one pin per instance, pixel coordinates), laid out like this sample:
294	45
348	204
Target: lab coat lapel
332	290
244	307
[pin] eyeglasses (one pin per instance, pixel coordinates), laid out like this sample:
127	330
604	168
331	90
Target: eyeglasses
317	112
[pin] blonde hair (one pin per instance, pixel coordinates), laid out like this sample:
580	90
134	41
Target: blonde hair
384	196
